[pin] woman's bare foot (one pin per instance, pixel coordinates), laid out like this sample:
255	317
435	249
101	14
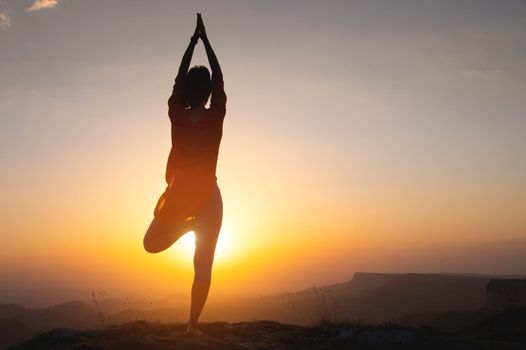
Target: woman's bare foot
192	331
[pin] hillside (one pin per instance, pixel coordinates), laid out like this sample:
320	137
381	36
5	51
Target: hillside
260	335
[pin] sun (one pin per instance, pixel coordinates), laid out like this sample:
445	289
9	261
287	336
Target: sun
185	246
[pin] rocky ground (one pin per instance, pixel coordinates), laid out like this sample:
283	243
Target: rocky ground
255	335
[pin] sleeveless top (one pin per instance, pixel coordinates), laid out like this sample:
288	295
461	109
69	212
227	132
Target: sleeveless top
191	167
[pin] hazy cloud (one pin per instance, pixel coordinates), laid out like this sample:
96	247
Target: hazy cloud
43	4
5	21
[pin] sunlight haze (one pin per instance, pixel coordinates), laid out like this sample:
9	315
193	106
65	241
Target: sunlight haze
358	137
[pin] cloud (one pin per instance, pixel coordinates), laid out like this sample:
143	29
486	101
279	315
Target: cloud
5	21
43	4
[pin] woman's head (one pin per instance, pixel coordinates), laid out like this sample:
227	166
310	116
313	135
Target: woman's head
197	86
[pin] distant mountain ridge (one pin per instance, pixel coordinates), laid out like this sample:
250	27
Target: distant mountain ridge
361	281
381	297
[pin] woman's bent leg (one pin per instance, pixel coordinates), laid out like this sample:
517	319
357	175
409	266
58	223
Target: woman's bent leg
206	234
160	237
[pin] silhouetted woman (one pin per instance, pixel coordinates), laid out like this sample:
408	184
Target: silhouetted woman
192	200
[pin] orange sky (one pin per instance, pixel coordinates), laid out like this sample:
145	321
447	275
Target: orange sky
352	142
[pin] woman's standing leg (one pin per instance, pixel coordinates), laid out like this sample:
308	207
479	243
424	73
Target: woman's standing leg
206	234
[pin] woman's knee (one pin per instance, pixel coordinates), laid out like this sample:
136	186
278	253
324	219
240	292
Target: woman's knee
150	245
203	274
151	241
203	262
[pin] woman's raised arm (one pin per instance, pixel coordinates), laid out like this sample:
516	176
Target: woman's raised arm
187	57
218	99
176	100
212	59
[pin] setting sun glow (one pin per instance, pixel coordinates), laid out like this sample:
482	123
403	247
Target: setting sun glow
184	248
358	137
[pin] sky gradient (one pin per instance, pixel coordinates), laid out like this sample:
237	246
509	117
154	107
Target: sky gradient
360	136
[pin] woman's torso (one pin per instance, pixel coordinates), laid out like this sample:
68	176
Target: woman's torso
196	136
